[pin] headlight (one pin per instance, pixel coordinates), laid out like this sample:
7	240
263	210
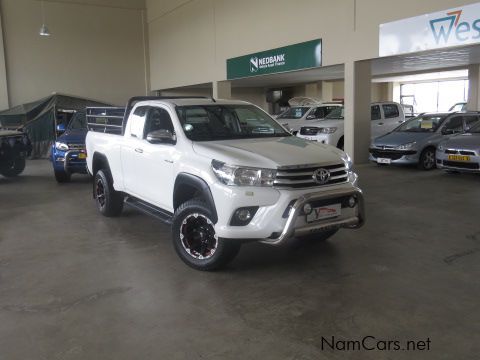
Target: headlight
243	176
327	130
61	146
406	146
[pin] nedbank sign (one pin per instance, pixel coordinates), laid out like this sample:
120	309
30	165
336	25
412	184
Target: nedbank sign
288	58
453	27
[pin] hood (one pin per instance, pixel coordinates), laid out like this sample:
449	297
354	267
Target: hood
463	141
397	138
269	152
76	136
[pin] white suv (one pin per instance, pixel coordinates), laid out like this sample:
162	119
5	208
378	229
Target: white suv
385	117
221	173
297	116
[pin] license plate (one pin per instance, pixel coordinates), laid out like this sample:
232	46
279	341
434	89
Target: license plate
325	212
82	156
384	161
458	157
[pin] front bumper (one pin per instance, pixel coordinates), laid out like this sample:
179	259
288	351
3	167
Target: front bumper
328	139
471	166
396	156
279	214
70	161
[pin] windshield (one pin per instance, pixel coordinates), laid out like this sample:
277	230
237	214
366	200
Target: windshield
337	113
295	112
78	121
427	123
224	122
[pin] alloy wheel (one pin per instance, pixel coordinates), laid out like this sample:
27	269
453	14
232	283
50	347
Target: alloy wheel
198	236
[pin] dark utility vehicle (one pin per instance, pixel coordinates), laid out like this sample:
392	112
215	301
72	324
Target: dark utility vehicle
14	149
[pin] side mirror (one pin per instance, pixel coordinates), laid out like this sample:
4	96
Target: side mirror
446	131
311	117
61	128
161	136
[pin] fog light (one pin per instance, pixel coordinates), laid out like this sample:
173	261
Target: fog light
352	201
243	214
307	209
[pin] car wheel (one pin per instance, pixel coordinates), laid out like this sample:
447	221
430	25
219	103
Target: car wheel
427	159
15	168
62	176
195	240
109	202
320	236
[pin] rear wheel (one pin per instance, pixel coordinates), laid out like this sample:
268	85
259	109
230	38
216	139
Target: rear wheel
109	202
62	176
427	159
195	239
15	168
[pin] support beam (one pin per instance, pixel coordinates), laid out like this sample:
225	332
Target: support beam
222	90
357	109
473	101
4	100
327	91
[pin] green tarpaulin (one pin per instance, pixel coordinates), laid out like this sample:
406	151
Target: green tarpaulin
39	118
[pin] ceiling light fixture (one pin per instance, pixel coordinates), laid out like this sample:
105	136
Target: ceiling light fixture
43	29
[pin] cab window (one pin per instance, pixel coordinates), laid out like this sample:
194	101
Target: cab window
157	119
390	111
470	121
375	111
137	121
455	124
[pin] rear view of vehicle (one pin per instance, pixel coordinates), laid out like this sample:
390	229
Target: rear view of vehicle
461	153
15	147
68	154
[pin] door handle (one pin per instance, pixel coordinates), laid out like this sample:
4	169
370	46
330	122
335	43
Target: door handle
169	161
138	150
380	124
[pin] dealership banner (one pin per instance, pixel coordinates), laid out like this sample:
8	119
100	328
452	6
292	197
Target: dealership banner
453	27
288	58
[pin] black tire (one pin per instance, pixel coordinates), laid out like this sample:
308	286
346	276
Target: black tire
340	144
62	176
109	202
427	159
319	237
15	168
202	250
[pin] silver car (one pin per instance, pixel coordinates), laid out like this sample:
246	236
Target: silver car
460	153
416	140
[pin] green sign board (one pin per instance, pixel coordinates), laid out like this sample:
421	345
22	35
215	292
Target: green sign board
288	58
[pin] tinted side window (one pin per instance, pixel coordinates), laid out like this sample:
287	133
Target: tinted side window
157	119
455	123
320	113
390	111
470	120
375	110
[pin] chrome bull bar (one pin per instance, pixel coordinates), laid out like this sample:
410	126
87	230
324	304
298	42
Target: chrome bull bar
353	222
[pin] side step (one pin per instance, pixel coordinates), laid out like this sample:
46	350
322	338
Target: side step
158	213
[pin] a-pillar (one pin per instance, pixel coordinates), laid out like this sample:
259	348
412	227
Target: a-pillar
222	90
473	101
357	115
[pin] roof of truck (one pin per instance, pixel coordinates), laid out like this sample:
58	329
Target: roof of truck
199	101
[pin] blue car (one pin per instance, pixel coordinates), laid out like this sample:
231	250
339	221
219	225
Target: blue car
68	154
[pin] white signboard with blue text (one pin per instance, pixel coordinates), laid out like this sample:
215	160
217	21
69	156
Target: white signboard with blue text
453	27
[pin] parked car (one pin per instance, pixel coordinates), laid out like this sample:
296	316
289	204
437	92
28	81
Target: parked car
385	117
68	154
15	147
220	173
416	141
460	153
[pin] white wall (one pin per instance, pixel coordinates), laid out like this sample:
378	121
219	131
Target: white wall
94	51
191	40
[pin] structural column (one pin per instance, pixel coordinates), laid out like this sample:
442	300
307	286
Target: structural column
4	102
222	90
473	101
357	109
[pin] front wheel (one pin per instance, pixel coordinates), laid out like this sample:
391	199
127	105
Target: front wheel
427	159
109	202
15	168
195	240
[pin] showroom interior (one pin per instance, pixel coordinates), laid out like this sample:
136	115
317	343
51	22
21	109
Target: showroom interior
144	140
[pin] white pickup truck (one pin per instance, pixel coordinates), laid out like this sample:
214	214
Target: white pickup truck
221	173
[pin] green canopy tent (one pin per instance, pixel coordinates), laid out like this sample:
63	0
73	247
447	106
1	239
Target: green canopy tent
40	118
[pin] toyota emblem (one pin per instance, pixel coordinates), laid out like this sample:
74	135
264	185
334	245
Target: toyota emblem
321	176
